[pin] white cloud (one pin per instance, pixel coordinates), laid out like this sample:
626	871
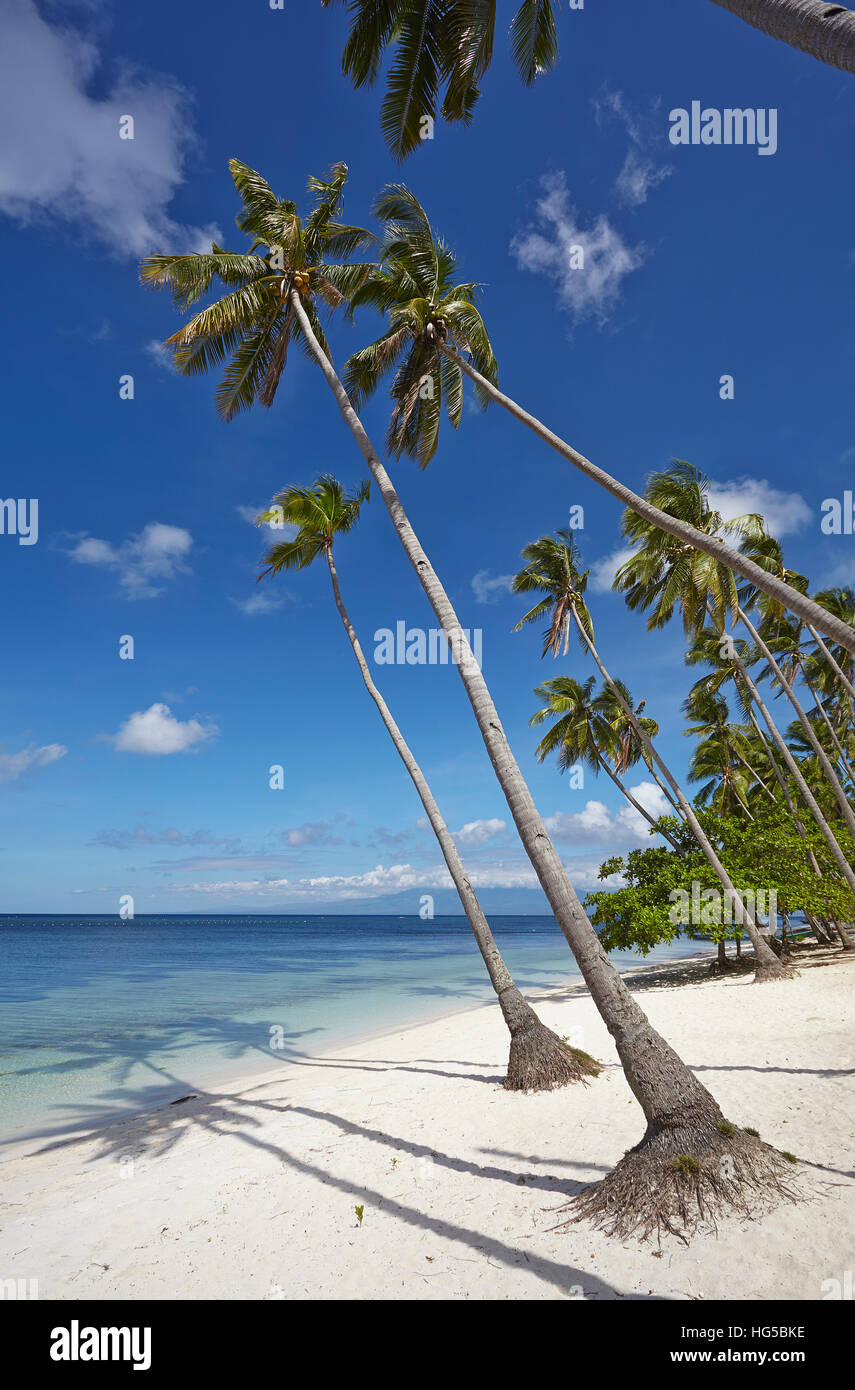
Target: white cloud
637	177
784	512
14	765
639	173
160	355
67	161
258	602
487	588
478	832
155	732
596	824
593	290
654	801
157	553
603	571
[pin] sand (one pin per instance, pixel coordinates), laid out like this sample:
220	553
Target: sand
251	1191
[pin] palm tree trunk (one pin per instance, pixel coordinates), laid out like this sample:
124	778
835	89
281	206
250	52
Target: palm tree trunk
647	1189
539	1060
824	760
844	680
783	593
821	710
826	32
795	772
767	965
651	820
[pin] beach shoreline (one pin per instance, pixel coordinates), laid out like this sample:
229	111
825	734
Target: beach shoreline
214	1076
255	1192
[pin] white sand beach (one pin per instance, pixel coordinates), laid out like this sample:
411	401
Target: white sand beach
251	1192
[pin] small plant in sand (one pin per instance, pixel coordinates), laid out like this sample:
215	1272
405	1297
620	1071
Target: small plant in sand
360	1212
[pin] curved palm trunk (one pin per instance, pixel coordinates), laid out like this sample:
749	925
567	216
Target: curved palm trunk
539	1060
824	760
783	593
647	1189
651	820
824	31
841	676
768	966
795	772
832	732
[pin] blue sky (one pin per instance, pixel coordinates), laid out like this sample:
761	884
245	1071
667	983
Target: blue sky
150	777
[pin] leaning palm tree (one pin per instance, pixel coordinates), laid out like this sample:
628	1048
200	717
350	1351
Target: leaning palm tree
539	1060
583	732
661	575
449	43
431	322
647	1189
552	571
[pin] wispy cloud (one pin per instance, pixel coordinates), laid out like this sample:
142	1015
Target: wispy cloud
589	284
67	161
160	355
487	587
640	172
260	602
155	732
14	765
157	554
129	839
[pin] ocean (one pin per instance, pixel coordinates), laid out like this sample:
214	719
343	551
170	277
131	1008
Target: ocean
100	1017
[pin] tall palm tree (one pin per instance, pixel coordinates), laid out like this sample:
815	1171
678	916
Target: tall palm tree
584	732
661	575
539	1060
438	44
449	43
681	1114
552	571
431	322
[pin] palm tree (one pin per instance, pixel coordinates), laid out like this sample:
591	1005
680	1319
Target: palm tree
584	732
252	327
647	1188
661	575
715	757
826	32
439	43
552	571
539	1060
449	43
431	322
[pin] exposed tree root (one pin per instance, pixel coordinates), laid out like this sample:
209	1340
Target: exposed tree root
683	1178
539	1060
765	971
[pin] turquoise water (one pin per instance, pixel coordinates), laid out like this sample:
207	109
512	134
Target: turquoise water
101	1017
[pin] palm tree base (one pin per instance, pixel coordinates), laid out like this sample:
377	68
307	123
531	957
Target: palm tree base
539	1060
686	1177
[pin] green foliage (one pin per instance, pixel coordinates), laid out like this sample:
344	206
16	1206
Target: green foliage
248	331
360	1212
439	44
767	854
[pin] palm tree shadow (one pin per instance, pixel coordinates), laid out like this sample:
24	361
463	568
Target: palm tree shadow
234	1117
